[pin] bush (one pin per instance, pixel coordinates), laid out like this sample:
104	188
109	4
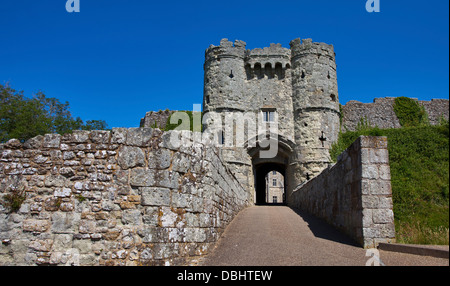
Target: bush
13	201
409	112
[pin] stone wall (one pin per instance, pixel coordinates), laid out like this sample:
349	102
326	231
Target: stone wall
354	194
158	118
125	197
381	112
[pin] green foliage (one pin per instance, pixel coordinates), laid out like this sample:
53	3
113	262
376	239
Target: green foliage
80	198
23	118
13	201
93	125
409	112
172	126
419	162
345	139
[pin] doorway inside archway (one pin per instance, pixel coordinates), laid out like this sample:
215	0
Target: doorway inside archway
274	188
270	183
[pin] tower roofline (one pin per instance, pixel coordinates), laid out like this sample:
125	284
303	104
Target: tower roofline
307	46
226	49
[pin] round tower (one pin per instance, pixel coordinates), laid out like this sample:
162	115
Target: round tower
224	76
315	105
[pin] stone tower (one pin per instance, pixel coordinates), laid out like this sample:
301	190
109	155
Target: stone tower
315	106
293	89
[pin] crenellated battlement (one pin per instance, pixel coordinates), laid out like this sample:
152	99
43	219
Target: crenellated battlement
226	49
273	57
300	48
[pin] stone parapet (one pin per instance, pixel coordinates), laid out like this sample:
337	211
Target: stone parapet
120	197
355	194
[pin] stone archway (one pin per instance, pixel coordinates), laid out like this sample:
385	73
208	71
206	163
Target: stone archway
261	166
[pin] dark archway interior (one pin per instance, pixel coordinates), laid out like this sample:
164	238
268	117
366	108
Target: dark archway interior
261	171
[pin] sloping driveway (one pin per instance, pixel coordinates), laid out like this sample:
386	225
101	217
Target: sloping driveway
281	236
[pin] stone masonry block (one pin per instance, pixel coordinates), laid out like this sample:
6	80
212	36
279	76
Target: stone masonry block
369	171
130	157
378	142
385	172
118	135
35	225
100	136
155	196
139	136
140	177
51	141
379	187
80	136
377	156
367	215
383	216
159	159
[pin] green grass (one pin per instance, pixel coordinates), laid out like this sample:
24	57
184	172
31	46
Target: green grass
419	162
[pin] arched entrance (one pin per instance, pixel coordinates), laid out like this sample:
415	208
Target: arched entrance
262	166
261	184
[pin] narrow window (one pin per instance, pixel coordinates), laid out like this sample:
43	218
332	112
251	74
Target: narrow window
221	138
272	116
268	116
274	182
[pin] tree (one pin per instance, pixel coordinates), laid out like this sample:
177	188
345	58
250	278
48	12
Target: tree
24	118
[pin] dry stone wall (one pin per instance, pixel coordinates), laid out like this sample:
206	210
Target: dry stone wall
355	194
381	112
125	197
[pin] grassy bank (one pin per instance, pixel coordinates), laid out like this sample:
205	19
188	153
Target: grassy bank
419	161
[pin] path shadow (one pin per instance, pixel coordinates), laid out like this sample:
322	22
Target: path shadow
321	229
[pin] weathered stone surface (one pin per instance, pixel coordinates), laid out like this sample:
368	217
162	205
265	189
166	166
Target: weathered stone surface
156	119
92	199
99	136
159	159
13	144
381	112
131	157
80	136
140	177
65	222
139	136
35	225
181	162
34	143
51	141
155	197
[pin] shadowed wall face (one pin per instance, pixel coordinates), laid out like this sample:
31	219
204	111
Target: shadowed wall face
355	194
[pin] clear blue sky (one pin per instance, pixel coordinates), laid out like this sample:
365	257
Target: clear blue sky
117	59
